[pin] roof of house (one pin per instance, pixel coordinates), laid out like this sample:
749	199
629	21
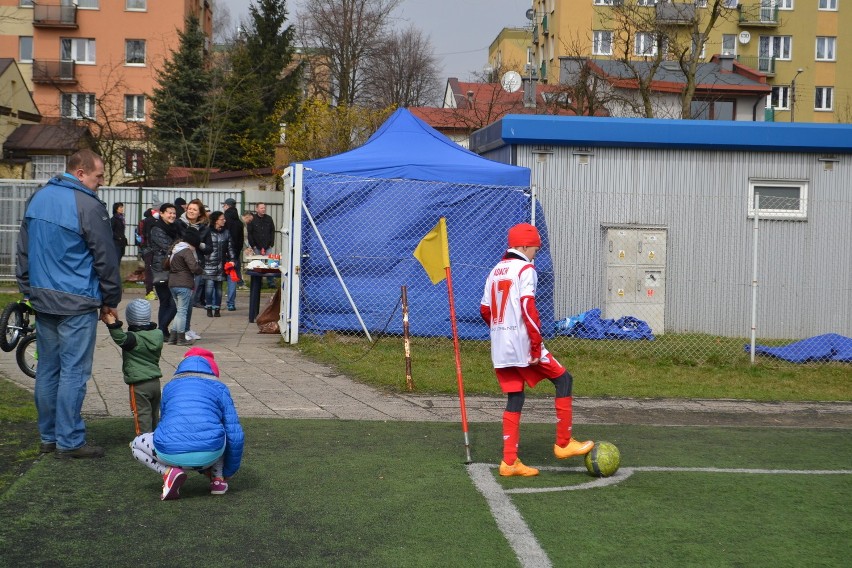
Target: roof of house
52	138
668	77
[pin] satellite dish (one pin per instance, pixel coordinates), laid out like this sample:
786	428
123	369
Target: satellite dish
530	14
511	81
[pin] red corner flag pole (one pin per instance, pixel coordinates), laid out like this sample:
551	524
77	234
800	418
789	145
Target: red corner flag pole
433	252
458	362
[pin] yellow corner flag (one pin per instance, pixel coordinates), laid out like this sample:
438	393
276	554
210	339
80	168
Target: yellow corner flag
433	252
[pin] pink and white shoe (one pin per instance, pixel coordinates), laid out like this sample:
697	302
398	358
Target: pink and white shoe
172	481
218	486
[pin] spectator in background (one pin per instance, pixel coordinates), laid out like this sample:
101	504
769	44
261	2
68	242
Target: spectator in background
261	235
119	239
164	234
220	250
195	217
67	268
235	227
180	208
143	237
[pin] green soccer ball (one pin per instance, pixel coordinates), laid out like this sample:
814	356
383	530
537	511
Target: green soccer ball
603	460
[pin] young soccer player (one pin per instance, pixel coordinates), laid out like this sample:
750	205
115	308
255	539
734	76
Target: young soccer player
517	350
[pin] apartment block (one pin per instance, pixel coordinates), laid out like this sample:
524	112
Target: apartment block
95	62
804	47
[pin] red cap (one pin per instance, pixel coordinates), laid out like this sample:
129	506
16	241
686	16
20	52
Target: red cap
524	235
199	352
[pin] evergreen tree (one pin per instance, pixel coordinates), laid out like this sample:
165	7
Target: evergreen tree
181	115
260	89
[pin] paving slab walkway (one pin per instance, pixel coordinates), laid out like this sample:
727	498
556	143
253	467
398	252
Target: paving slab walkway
271	380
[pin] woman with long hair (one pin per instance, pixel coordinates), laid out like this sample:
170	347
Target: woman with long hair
195	217
119	239
164	233
220	249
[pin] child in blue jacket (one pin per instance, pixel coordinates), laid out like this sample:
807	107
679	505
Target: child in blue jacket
198	430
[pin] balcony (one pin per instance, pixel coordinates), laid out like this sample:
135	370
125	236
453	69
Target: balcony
544	29
675	13
764	64
763	15
54	72
52	16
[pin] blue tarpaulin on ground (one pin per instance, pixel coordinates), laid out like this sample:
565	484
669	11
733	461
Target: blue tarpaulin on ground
374	204
828	347
589	325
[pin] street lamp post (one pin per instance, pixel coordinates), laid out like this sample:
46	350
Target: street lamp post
793	95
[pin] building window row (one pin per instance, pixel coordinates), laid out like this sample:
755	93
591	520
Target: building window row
82	106
82	50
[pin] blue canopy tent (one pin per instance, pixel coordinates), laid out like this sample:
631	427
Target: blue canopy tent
373	204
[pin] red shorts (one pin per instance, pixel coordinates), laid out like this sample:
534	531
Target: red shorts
512	379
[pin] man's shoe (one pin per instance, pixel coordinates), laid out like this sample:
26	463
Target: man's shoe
209	312
173	338
83	452
172	480
216	313
47	447
191	335
199	305
218	486
232	308
574	448
151	296
182	339
517	469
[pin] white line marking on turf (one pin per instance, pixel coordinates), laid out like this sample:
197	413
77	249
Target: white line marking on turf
509	519
523	541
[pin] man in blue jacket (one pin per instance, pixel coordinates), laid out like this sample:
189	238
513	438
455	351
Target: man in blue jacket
67	268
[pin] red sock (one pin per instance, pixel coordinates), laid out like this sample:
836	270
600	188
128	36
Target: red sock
564	419
511	436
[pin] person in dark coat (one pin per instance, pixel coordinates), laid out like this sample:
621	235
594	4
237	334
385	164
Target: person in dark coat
117	224
235	227
220	249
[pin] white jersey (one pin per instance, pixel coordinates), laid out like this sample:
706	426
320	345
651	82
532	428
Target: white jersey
508	282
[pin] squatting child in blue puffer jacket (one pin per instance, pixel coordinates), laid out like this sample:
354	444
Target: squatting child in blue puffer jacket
198	430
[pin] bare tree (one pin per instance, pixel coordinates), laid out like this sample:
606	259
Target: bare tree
344	36
403	71
647	36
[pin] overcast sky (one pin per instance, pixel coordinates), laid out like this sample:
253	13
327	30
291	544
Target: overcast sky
460	30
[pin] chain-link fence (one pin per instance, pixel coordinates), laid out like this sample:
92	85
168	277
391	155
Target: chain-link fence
15	193
698	280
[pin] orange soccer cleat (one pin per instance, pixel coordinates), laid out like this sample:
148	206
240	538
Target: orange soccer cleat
574	448
517	469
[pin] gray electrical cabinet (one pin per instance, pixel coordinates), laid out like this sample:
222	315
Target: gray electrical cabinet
635	275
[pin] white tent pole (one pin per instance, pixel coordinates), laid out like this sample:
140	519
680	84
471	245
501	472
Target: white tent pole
286	258
294	282
337	272
534	189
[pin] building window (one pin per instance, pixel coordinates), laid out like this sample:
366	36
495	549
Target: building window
601	43
80	50
700	3
45	167
825	48
134	107
645	44
729	3
134	51
695	40
134	162
823	98
25	49
779	199
646	2
828	4
784	4
136	5
77	105
26	3
85	3
729	44
606	2
776	47
779	99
